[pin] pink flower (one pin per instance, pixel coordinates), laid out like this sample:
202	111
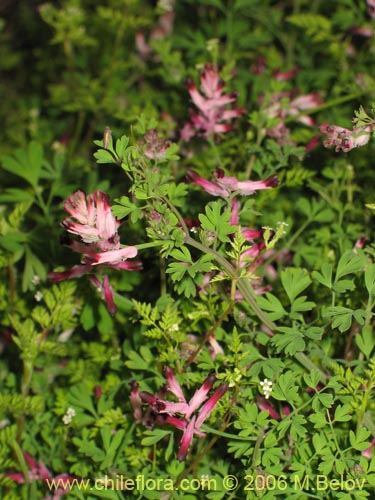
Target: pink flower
371	8
38	471
344	139
211	106
185	420
225	185
280	108
163	29
156	147
92	220
368	451
283	76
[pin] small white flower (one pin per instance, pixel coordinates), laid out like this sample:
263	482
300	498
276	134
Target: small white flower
38	296
266	387
35	280
68	417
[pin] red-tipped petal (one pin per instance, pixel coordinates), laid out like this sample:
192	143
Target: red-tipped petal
210	404
186	440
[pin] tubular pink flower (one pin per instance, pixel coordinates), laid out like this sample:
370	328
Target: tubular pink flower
211	105
185	421
113	256
344	139
252	234
136	401
200	395
173	385
234	214
368	451
244	187
210	404
179	423
74	272
81	208
92	220
162	406
186	440
266	406
225	185
208	186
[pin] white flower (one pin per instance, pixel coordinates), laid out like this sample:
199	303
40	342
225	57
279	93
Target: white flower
38	296
266	387
68	417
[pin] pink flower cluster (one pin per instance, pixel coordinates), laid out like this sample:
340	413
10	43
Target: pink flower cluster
212	107
344	139
38	471
178	414
92	220
163	29
294	107
155	146
225	185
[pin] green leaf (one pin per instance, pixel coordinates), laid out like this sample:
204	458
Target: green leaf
290	341
126	207
33	267
15	195
216	221
271	304
104	156
342	317
358	441
78	396
349	263
294	281
342	286
343	413
121	146
26	163
285	388
312	379
325	276
154	436
366	340
301	304
318	419
370	279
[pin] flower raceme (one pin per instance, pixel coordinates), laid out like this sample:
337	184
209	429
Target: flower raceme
344	139
212	107
225	185
179	414
92	220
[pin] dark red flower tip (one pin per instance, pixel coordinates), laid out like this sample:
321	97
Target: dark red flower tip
272	181
148	398
191	176
219	173
168	371
133	386
209	382
189	83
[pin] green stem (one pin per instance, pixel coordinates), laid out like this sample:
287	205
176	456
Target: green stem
21	460
249	295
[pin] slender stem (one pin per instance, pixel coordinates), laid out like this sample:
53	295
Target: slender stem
208	334
249	295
